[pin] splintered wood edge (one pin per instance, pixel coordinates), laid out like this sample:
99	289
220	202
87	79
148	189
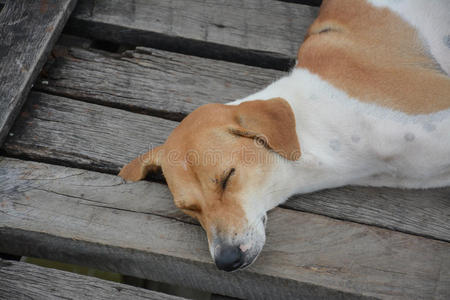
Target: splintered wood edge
43	33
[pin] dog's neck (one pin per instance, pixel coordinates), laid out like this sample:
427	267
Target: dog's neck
394	131
324	162
344	141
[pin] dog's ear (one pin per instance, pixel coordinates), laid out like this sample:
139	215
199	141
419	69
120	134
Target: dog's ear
271	122
139	167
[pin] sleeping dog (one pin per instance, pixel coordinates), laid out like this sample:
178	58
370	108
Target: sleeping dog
368	103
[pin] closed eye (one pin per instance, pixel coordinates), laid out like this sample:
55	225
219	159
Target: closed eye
224	181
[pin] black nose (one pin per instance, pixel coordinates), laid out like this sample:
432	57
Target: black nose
229	258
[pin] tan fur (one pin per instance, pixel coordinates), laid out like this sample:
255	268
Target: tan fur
139	167
274	120
374	56
207	144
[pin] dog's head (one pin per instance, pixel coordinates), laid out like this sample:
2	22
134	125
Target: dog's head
218	164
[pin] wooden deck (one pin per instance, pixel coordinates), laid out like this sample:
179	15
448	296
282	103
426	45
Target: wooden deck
28	32
121	77
26	281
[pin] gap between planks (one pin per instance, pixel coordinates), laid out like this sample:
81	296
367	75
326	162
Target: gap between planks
149	81
141	79
27	281
263	33
91	136
47	212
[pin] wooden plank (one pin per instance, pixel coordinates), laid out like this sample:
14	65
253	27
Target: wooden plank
191	81
421	212
28	31
26	281
149	80
66	131
257	32
91	218
57	129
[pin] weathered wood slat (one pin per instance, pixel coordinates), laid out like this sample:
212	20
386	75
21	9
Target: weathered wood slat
72	132
91	218
75	133
26	281
420	212
28	30
163	83
259	32
172	85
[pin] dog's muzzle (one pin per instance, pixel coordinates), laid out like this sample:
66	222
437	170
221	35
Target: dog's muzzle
233	254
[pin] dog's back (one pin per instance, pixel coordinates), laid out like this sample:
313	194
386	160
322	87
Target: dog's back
432	21
396	57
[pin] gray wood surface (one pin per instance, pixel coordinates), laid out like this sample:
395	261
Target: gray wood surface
421	212
70	132
91	218
259	32
148	80
28	31
66	131
19	280
172	85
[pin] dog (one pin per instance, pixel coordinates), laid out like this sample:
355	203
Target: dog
368	103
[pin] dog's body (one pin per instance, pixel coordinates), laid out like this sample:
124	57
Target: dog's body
345	141
367	104
380	139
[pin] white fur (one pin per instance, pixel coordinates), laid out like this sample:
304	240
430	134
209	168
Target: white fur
348	142
345	141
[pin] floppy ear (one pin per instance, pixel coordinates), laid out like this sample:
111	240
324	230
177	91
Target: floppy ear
271	122
139	167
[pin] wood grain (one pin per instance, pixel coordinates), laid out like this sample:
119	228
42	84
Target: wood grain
149	80
258	32
91	218
26	281
70	132
420	212
172	85
66	131
28	30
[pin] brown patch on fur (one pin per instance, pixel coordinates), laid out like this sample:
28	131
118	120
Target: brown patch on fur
374	56
202	150
138	168
214	129
273	121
